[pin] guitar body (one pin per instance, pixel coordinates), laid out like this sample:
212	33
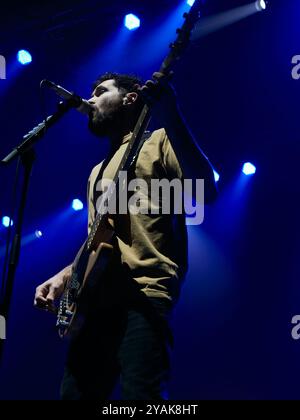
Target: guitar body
87	270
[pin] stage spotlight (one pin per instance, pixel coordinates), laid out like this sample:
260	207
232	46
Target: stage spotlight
191	2
217	176
77	205
132	22
249	169
24	57
261	5
5	221
38	234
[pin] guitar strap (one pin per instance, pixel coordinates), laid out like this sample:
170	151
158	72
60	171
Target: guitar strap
96	193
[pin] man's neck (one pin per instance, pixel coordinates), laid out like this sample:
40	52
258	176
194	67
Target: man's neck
116	138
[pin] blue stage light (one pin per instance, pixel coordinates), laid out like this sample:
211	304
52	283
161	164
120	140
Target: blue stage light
261	5
191	2
77	205
217	176
249	169
5	221
24	57
132	22
38	234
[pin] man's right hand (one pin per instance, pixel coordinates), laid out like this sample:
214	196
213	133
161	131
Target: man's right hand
47	292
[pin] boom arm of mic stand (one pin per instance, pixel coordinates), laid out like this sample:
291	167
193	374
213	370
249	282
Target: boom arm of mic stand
38	132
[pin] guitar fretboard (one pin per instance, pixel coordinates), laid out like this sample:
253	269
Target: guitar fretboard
127	159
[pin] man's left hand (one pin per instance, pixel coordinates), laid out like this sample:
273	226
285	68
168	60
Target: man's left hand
160	96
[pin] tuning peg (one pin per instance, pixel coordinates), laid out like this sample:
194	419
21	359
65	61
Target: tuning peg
69	313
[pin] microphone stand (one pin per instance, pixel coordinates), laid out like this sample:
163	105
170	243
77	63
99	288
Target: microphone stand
26	154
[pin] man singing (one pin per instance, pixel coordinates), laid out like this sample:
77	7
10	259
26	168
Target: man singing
127	333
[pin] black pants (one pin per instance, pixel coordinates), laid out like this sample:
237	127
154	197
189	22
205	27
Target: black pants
128	337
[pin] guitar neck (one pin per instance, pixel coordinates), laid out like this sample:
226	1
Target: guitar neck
136	138
127	160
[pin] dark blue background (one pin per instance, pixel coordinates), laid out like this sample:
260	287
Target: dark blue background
233	322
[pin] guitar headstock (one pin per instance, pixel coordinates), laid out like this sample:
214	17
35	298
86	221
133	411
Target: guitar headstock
183	37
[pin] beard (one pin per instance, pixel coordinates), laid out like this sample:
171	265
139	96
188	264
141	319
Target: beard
104	124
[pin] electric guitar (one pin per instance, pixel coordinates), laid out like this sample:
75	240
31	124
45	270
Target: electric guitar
96	252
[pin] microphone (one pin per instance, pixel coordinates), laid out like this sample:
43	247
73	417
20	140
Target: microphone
80	104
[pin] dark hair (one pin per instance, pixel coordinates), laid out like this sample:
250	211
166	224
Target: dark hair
125	82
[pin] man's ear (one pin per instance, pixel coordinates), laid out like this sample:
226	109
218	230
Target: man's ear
130	98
